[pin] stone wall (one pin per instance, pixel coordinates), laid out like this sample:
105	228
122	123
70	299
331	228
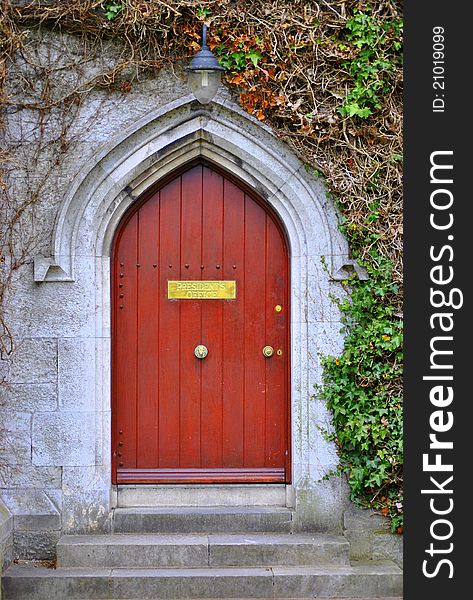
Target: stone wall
6	537
370	537
55	420
55	405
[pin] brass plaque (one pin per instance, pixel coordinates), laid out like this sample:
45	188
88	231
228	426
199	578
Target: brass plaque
202	290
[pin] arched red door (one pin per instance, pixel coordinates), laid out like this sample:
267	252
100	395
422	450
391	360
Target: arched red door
201	262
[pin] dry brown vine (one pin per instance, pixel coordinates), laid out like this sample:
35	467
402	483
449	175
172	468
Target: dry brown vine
297	86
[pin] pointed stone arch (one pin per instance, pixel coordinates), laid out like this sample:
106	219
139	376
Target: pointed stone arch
122	171
163	141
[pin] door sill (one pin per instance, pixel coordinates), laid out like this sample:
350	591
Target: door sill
250	494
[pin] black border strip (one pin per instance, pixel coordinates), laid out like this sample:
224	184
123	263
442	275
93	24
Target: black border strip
437	119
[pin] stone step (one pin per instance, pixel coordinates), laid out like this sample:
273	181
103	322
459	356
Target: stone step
204	519
368	580
199	550
253	494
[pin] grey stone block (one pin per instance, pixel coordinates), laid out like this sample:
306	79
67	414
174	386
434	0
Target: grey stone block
293	582
361	544
37	522
320	507
15	448
276	549
370	538
35	545
76	374
64	439
86	500
34	361
175	550
202	520
23	476
25	581
32	510
6	522
105	114
128	551
369	580
6	537
361	581
388	546
29	396
6	554
192	583
202	495
367	520
63	310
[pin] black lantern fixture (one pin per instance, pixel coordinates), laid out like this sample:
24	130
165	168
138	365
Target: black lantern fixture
204	72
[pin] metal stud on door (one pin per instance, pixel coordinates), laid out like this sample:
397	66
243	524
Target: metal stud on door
201	351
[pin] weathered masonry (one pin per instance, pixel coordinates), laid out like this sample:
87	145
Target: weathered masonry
169	324
185	193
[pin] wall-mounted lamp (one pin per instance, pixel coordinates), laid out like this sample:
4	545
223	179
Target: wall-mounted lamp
204	72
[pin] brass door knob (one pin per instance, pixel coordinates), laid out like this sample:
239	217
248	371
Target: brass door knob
268	351
201	351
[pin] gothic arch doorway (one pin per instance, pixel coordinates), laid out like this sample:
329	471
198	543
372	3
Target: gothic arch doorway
201	261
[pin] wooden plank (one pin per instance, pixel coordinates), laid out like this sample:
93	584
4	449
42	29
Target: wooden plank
212	320
276	366
190	336
254	334
148	334
169	326
125	344
239	475
233	327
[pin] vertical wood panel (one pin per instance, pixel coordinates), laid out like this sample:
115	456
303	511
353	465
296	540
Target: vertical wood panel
126	344
169	327
228	411
147	326
233	326
276	328
212	321
254	361
190	366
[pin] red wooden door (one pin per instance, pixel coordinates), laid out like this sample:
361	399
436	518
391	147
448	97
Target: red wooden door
177	417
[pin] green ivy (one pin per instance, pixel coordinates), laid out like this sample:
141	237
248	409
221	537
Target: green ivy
363	386
203	12
112	9
238	61
378	46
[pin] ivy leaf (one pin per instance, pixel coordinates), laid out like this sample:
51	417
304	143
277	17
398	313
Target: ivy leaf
112	9
254	56
364	112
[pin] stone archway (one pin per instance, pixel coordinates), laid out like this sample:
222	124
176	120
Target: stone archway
100	195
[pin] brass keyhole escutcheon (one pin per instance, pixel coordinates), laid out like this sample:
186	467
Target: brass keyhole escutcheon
268	351
201	351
